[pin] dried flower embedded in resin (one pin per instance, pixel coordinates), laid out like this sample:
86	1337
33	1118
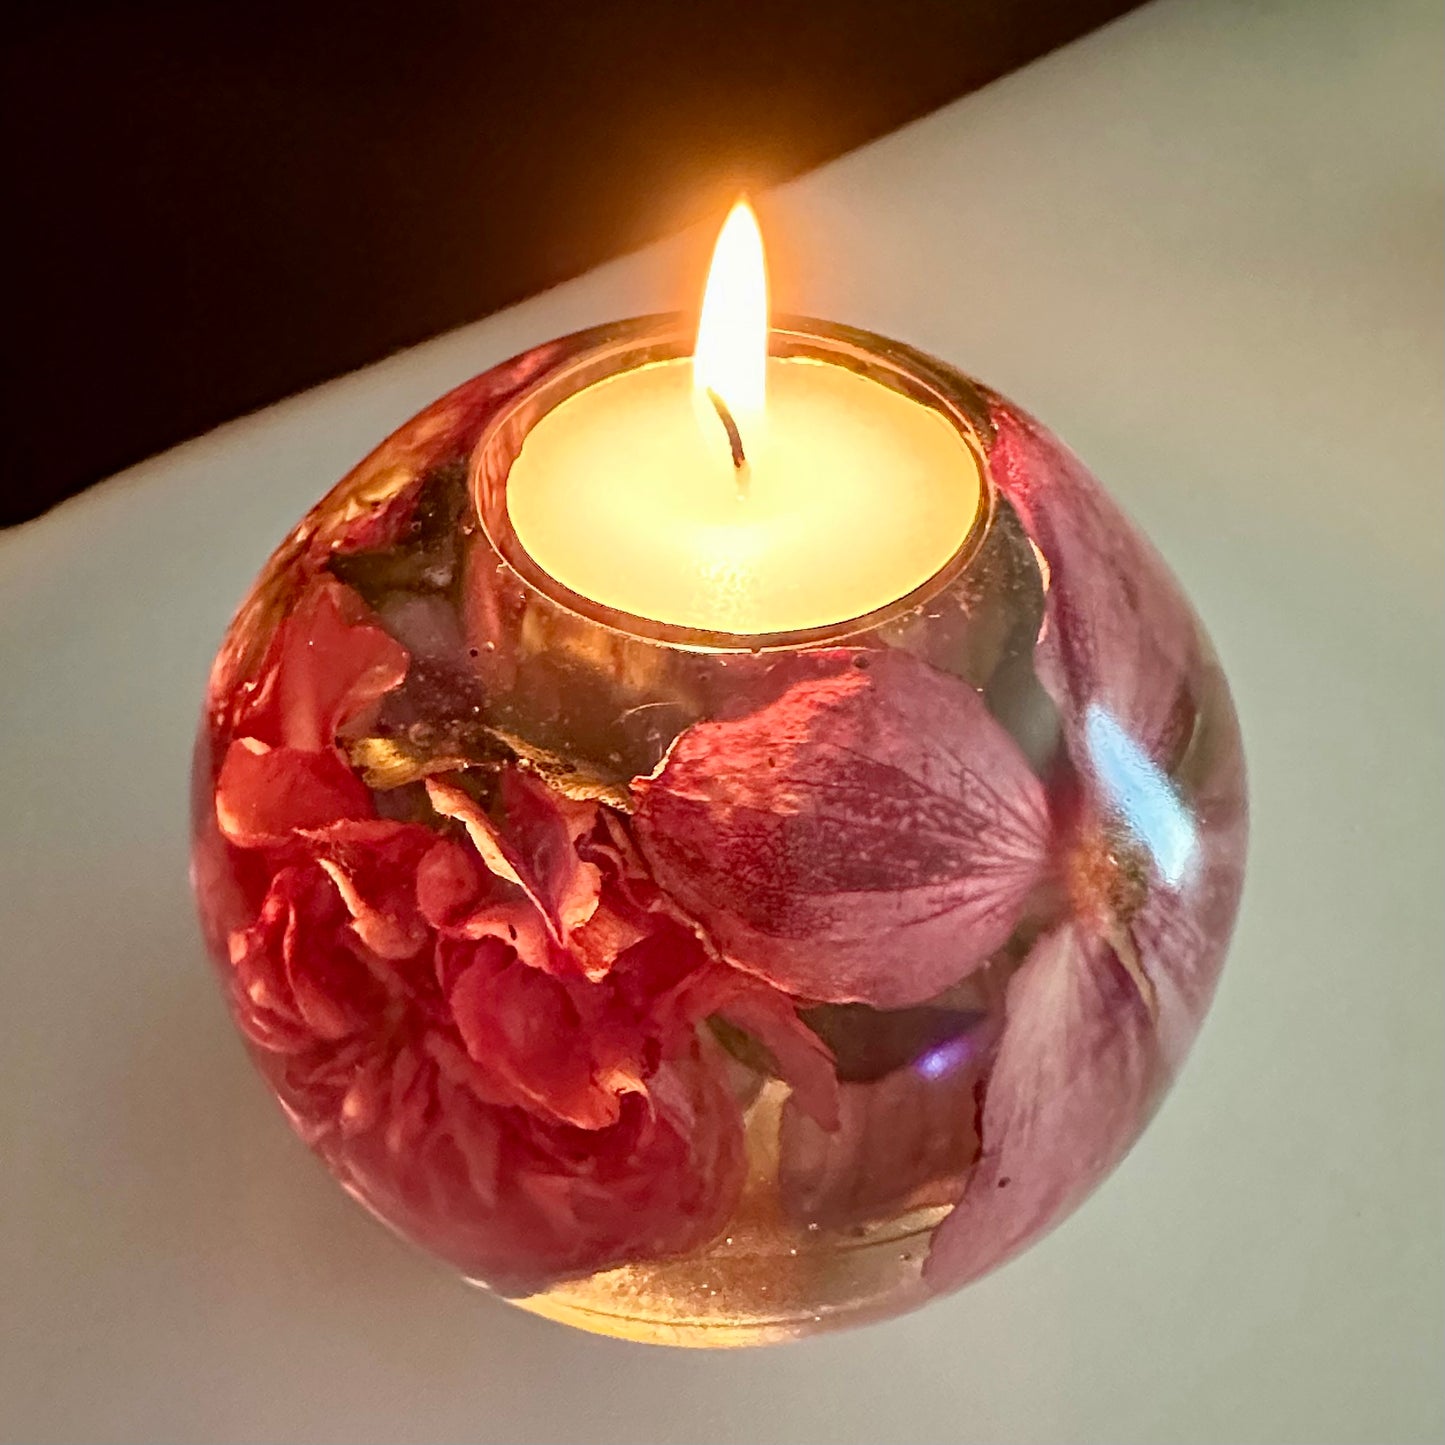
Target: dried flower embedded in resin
712	990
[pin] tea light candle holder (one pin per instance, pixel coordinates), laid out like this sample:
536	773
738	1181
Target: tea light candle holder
703	986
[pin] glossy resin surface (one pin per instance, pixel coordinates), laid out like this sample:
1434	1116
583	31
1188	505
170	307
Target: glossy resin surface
699	989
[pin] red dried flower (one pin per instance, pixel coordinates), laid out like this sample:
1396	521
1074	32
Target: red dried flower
491	1032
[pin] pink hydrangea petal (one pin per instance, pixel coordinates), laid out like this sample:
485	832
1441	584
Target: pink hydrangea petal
457	1066
872	835
1075	1079
1182	930
668	980
410	1102
422	1134
323	1011
265	796
312	1083
517	923
386	935
366	1097
334	990
226	880
1119	638
477	1135
1123	656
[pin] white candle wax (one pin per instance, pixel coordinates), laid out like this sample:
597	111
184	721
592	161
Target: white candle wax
853	495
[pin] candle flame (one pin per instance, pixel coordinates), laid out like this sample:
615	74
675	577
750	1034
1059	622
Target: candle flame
731	356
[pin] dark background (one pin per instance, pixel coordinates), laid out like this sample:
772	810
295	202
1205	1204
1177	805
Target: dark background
217	204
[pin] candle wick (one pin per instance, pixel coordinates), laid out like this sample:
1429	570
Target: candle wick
735	437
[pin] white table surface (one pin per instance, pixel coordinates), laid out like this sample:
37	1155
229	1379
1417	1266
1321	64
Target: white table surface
1205	245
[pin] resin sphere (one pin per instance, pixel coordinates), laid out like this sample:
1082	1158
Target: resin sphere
708	989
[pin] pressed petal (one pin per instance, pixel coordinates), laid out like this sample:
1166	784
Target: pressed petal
378	513
1075	1079
900	1142
522	1027
629	877
374	506
1147	723
1182	930
477	1135
613	928
448	1053
447	883
374	864
546	827
1119	641
490	841
327	663
668	981
462	899
296	981
266	796
537	850
514	1200
801	1058
660	1182
872	835
260	996
227	881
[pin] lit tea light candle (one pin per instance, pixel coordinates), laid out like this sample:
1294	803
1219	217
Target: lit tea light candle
740	492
